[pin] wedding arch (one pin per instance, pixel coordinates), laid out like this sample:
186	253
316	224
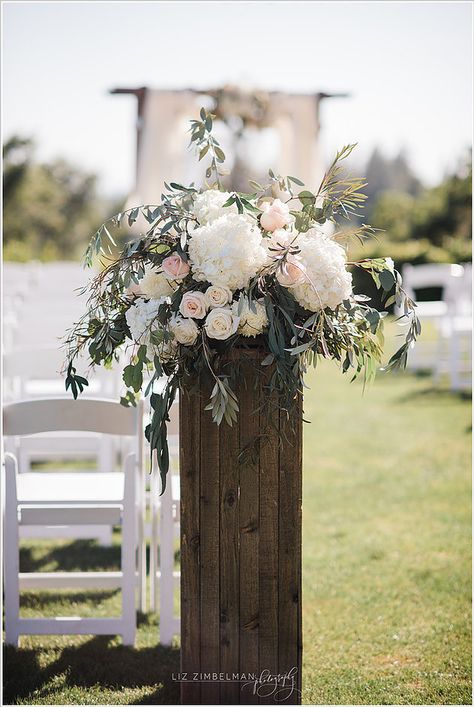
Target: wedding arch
289	124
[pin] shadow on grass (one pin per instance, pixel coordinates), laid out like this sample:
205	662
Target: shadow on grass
93	664
36	600
435	393
77	556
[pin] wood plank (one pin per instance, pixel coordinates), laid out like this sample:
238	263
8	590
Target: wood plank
229	561
210	505
268	557
190	412
249	502
289	602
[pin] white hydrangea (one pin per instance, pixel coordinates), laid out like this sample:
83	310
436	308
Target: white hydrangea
327	281
228	252
139	317
154	284
209	206
252	323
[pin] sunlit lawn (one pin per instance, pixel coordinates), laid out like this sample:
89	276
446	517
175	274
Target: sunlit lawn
386	565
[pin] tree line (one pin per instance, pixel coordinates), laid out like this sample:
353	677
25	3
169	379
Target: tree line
51	209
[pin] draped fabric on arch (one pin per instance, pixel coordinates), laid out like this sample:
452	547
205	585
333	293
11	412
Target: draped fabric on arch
163	154
295	118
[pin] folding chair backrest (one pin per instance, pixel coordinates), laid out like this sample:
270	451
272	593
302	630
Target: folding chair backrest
67	415
432	275
28	364
36	373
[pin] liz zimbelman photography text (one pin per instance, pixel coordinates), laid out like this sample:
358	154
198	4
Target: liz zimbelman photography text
280	685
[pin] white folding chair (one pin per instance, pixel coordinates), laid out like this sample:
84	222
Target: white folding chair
428	352
456	334
165	518
74	498
33	373
439	275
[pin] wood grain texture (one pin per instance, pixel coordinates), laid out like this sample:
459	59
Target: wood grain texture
269	489
209	533
190	427
249	504
229	561
241	547
289	547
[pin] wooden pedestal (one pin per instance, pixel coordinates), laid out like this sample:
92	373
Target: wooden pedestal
240	553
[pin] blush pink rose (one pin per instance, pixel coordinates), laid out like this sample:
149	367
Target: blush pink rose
291	272
174	267
275	215
193	305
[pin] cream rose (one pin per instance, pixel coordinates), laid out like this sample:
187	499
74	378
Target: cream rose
174	267
221	323
185	330
193	305
253	320
217	296
291	272
275	215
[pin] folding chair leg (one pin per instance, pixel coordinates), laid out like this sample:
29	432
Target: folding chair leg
166	567
129	559
141	507
105	536
11	557
154	541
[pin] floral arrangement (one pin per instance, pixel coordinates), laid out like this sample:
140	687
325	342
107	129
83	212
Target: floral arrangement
219	269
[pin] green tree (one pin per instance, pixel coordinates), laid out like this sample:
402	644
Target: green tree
50	210
389	174
432	227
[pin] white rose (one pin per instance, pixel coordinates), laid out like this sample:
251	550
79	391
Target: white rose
185	330
154	285
275	215
221	323
193	305
252	322
218	296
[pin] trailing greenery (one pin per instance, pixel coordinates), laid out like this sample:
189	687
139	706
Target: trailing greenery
295	334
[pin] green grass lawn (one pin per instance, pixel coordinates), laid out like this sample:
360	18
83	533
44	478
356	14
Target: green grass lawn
386	565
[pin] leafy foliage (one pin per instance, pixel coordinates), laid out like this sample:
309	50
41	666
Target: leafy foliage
49	208
295	338
432	225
